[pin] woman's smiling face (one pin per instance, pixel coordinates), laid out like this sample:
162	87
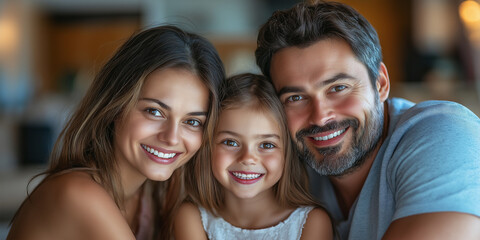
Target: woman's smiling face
164	130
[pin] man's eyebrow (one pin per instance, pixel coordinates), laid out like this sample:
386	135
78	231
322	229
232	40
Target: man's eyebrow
340	76
335	78
284	90
168	108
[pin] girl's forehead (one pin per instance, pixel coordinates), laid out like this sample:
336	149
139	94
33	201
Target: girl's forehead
249	118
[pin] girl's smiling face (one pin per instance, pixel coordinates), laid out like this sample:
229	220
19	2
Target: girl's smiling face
164	130
248	152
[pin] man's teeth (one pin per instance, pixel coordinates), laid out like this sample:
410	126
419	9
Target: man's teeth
157	153
246	176
329	136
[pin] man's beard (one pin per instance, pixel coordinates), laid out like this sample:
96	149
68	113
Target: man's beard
331	163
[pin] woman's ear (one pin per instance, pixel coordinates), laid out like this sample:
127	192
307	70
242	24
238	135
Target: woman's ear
383	82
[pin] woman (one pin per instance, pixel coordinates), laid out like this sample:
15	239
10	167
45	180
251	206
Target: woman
116	170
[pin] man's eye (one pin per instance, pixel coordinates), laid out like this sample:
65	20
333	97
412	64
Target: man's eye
267	145
230	143
194	123
294	98
338	88
154	112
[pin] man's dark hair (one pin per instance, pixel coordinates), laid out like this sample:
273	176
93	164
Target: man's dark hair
305	24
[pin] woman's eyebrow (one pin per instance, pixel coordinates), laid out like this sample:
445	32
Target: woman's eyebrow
168	108
163	105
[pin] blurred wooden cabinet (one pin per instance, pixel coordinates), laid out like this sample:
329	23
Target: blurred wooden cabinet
68	44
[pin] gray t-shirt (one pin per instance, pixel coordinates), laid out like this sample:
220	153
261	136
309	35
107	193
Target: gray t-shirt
429	162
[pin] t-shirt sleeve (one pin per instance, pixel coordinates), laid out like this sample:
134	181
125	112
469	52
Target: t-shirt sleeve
436	164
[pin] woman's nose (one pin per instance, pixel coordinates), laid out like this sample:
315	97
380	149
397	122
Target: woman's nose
170	133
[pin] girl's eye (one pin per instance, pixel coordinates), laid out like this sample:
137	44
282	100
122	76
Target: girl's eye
294	98
230	143
154	112
338	88
267	145
194	123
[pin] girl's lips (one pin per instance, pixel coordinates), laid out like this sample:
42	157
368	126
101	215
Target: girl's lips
246	177
160	155
328	139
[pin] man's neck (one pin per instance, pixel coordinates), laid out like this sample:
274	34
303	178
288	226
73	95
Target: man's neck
347	187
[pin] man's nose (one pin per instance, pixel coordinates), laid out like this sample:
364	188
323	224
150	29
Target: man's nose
321	112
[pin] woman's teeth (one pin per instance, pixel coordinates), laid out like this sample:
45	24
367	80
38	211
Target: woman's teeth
157	153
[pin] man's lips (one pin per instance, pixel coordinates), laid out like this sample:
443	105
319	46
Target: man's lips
329	138
246	177
160	155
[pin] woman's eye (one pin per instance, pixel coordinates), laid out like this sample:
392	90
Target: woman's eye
194	123
267	145
230	143
338	88
154	112
294	98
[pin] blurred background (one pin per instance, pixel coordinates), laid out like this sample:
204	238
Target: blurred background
51	49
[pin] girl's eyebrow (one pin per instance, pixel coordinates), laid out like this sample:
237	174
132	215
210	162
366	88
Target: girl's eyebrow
268	136
168	108
259	136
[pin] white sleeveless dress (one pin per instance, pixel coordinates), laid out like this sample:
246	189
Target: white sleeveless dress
289	229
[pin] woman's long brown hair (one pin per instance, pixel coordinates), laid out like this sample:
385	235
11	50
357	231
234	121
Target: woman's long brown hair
86	142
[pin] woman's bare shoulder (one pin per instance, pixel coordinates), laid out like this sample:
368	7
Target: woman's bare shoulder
69	204
68	192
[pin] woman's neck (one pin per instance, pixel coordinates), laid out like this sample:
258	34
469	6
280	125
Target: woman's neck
261	211
132	184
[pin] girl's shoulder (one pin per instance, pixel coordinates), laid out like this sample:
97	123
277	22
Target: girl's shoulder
318	225
188	223
66	205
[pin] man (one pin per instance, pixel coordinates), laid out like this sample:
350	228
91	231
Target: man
384	168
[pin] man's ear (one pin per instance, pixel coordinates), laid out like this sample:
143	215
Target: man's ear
383	82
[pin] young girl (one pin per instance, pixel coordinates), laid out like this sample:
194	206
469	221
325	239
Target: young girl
116	170
252	186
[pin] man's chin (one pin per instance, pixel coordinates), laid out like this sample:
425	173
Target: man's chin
329	162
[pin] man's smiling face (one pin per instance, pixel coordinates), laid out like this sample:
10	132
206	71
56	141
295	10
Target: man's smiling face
333	111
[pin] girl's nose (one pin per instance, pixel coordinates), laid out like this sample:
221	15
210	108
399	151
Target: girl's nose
247	157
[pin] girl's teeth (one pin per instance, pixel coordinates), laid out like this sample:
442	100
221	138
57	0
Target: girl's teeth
246	176
157	153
